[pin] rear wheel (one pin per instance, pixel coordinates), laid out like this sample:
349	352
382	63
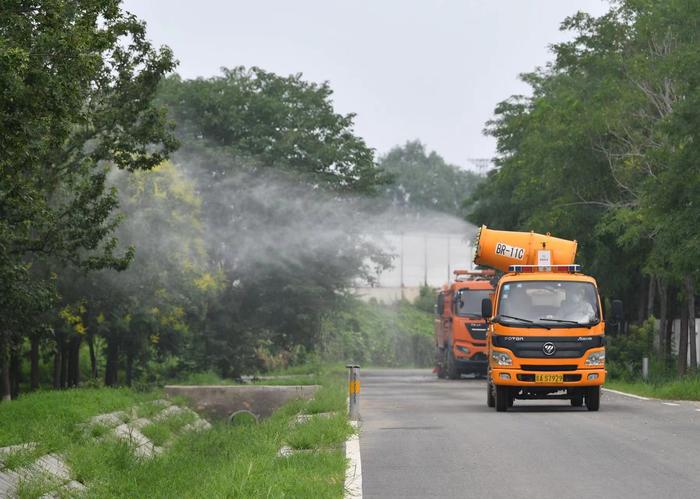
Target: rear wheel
577	401
452	371
502	397
490	399
593	398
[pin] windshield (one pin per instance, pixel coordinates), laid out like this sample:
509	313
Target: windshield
468	302
549	303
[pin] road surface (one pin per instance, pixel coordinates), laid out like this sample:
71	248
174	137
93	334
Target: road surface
424	437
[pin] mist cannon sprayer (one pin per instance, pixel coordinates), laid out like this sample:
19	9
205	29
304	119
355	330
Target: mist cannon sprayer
502	249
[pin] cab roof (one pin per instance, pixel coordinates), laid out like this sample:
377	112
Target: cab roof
475	284
547	276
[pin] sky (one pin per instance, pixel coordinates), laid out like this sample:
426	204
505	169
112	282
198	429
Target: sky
427	70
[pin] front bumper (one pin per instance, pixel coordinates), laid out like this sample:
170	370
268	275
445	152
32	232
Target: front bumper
572	379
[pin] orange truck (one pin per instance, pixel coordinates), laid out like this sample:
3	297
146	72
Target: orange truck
460	330
546	332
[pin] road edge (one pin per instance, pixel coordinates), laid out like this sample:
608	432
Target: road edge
631	395
353	470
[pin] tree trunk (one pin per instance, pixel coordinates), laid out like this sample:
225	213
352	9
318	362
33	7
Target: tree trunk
641	301
57	364
5	387
129	368
15	371
651	298
690	291
64	364
112	368
74	361
34	362
93	357
659	342
682	363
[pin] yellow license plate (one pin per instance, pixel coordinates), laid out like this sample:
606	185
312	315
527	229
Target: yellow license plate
549	378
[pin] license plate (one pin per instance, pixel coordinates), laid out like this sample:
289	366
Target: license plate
549	378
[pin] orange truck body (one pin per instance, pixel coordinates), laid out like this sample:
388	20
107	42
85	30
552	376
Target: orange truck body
546	334
460	331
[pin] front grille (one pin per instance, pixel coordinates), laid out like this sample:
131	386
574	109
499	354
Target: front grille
572	377
565	367
477	331
530	347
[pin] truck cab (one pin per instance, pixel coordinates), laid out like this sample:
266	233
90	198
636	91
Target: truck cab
546	337
460	330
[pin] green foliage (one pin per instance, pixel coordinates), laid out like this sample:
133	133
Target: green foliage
424	180
379	335
273	121
426	299
624	351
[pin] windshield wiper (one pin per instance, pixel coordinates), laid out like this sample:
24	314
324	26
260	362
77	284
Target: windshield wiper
527	321
516	318
565	321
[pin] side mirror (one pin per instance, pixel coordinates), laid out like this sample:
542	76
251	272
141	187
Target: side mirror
486	308
618	312
440	305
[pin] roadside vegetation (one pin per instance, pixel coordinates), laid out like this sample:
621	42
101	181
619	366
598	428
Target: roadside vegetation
396	335
223	461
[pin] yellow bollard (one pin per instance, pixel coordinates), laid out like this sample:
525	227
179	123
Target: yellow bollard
353	392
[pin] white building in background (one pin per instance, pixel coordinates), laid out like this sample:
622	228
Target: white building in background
425	252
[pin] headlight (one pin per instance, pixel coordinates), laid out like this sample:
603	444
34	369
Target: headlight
502	358
462	349
596	358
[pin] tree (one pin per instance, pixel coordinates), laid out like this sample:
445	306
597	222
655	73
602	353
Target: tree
277	169
271	121
77	79
424	180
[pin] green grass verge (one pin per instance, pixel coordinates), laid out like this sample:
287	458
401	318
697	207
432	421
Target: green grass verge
226	461
687	388
52	418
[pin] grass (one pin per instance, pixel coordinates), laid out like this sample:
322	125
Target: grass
226	461
687	388
159	432
53	418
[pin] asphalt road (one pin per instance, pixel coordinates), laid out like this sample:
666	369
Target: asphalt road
424	437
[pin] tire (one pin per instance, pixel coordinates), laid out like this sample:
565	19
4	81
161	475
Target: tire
502	397
511	398
490	399
440	357
452	371
593	398
577	401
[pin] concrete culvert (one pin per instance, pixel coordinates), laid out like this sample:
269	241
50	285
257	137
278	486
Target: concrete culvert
243	418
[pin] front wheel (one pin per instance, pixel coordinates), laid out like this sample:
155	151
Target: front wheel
490	399
502	398
452	371
440	370
593	398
